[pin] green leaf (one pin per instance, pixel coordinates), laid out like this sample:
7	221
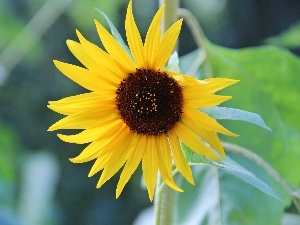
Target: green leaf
224	113
269	85
115	32
289	38
242	174
247	177
220	198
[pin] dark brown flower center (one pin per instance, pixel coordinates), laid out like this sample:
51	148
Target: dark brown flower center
149	102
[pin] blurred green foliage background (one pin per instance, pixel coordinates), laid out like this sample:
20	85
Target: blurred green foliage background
38	185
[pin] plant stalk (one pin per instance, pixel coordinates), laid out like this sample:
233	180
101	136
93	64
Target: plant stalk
199	38
164	203
165	196
170	15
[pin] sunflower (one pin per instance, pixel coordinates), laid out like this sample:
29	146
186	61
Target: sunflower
136	110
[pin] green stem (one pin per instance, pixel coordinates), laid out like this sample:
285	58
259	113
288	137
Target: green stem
267	167
170	15
198	35
164	203
194	26
157	199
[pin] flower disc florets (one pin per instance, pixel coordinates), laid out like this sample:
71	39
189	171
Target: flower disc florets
149	102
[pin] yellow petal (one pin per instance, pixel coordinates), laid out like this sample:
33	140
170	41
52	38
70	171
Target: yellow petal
70	109
98	148
209	136
134	38
206	121
107	65
73	104
85	98
190	139
99	163
138	143
165	161
85	58
106	129
123	136
216	84
152	40
83	119
122	140
180	162
209	86
204	101
92	151
115	50
116	160
149	165
167	44
81	76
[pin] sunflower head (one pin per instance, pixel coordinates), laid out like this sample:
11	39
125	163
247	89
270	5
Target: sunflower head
135	110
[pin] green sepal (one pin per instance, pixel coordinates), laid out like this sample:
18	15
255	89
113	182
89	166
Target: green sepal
173	63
